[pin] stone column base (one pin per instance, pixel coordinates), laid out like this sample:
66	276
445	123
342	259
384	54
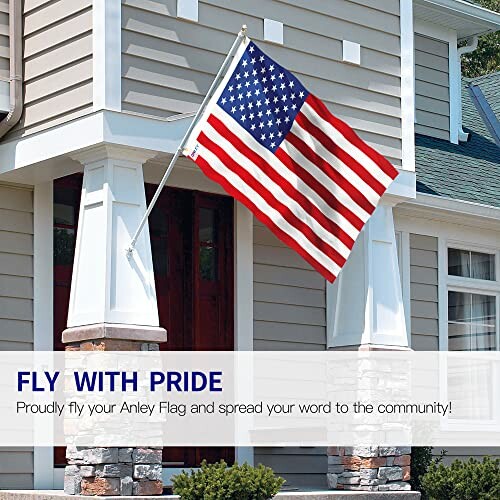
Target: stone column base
113	471
369	468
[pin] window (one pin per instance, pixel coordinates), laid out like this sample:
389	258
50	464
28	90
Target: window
471	264
473	300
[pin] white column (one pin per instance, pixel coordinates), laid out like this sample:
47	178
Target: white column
365	304
109	287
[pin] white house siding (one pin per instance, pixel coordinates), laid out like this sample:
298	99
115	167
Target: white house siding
424	292
289	314
432	92
16	307
168	63
57	66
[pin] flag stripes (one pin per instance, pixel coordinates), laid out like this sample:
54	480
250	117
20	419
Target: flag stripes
302	172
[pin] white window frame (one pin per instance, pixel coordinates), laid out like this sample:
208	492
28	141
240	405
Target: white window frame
467	285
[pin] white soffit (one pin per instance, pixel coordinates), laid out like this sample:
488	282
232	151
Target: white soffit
464	17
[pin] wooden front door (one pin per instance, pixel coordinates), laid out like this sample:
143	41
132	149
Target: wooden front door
192	244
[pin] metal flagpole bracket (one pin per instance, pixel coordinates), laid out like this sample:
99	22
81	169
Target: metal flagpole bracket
236	44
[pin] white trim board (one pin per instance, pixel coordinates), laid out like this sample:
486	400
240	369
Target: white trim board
407	86
43	457
464	213
106	126
107	57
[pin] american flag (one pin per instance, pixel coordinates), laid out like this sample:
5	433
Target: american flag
277	149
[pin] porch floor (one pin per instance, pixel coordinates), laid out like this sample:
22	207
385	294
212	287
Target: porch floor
316	495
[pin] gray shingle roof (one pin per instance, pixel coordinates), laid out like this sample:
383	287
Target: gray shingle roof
468	171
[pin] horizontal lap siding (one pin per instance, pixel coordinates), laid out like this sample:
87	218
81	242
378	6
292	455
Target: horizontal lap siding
289	315
57	63
432	93
16	308
4	41
424	292
168	63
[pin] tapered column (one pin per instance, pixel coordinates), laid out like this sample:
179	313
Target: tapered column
366	312
365	304
113	307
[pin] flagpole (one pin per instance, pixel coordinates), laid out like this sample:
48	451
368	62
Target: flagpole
239	39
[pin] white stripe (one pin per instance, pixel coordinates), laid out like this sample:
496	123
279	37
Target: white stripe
346	145
290	176
343	170
272	213
277	192
322	178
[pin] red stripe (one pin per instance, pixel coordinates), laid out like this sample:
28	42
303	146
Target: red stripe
338	179
342	155
284	237
285	212
287	187
312	182
350	135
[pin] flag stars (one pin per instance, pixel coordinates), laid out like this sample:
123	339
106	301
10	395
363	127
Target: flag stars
260	90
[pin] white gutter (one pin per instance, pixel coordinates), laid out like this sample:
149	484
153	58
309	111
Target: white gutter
466	49
16	67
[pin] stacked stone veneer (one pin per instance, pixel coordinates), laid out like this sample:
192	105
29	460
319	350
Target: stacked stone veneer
369	468
113	471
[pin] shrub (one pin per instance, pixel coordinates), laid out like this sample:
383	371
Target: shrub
471	480
220	482
421	459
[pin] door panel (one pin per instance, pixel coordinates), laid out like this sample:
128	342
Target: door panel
195	287
192	244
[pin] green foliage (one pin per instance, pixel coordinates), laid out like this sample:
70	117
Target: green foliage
472	480
486	58
220	482
421	459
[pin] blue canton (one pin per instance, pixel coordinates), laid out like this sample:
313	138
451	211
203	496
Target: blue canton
263	97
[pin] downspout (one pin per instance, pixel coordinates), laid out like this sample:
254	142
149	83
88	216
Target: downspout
466	49
16	67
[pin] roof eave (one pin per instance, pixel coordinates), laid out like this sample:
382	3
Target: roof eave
485	20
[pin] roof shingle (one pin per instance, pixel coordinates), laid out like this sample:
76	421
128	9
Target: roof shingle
467	171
